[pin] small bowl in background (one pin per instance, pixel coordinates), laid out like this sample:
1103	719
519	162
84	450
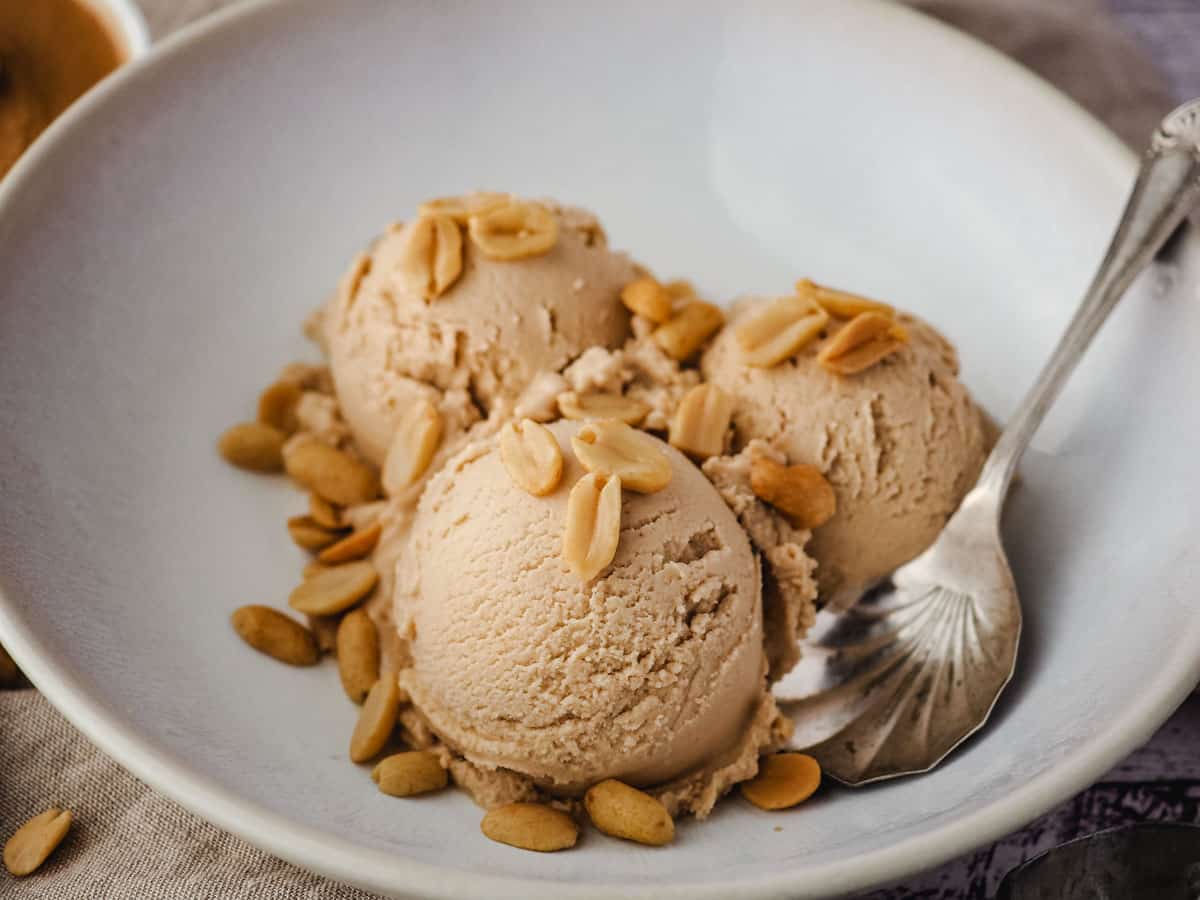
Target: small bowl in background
51	54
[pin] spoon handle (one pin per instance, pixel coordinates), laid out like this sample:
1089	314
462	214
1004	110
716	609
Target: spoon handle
1167	189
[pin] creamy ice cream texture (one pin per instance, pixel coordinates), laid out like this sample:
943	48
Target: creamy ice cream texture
653	673
476	348
901	443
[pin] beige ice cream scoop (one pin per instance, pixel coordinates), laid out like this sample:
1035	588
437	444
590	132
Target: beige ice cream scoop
475	346
901	443
651	670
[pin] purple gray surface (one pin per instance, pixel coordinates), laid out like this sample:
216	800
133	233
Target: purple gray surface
1171	30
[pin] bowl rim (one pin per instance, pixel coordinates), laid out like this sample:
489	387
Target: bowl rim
385	872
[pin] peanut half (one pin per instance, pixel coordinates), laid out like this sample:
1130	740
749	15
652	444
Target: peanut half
417	436
532	456
269	631
431	256
376	719
686	332
625	812
839	303
701	422
779	331
333	590
357	654
33	842
648	299
330	473
357	545
347	288
277	406
312	567
461	208
324	629
783	780
593	524
610	447
254	446
601	406
324	513
514	231
530	826
800	492
680	289
310	536
410	774
865	340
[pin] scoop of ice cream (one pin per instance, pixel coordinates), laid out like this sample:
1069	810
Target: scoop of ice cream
478	345
901	443
652	671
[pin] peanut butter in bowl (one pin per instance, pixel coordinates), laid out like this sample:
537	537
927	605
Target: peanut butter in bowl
51	52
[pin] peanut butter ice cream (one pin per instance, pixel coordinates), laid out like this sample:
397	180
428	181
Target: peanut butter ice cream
653	673
901	442
475	347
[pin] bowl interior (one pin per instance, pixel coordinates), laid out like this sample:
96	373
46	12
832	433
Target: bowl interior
161	249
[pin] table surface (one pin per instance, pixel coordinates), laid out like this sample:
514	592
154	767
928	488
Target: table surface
1161	782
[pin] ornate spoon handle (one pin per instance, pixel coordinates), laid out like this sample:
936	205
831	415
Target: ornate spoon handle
1167	189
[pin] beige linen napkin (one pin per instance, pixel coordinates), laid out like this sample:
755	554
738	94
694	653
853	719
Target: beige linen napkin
128	842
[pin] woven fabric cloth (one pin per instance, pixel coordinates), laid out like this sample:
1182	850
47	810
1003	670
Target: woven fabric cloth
128	842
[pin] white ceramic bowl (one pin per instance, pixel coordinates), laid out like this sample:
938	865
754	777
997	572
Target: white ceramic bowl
160	247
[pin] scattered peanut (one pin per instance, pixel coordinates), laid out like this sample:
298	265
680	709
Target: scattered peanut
357	654
625	812
514	231
356	545
376	719
324	513
800	492
324	629
530	826
865	340
330	473
254	446
308	535
601	406
839	303
783	780
532	456
686	332
277	406
779	331
431	257
680	289
333	590
312	567
269	631
610	447
34	841
701	422
460	209
648	299
593	524
417	436
410	774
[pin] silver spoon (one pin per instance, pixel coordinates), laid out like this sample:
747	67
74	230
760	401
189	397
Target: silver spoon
893	685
